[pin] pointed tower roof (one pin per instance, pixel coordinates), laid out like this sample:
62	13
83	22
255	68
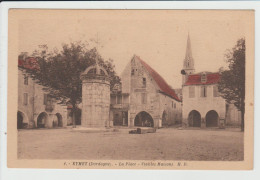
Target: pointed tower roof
188	61
188	49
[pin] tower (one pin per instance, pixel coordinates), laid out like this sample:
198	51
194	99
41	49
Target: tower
188	63
95	97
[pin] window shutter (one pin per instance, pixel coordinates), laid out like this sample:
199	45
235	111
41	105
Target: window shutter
25	80
215	91
144	82
45	99
203	91
143	98
192	91
25	98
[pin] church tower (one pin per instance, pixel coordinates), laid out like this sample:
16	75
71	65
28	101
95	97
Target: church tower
188	63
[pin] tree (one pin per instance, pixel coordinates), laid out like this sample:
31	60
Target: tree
59	71
232	84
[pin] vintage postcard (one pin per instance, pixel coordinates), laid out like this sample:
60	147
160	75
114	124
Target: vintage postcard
130	89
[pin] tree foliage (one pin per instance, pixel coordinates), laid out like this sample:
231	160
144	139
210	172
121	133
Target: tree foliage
232	84
59	71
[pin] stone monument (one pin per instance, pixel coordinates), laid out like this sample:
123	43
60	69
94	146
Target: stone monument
95	97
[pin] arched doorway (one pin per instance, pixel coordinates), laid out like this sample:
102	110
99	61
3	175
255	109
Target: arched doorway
21	120
194	119
59	118
164	119
212	119
42	120
143	119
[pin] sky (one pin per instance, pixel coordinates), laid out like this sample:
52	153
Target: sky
159	37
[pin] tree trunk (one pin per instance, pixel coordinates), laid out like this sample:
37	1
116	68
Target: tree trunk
242	105
74	116
242	120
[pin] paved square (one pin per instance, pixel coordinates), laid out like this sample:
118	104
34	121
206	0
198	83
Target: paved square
165	144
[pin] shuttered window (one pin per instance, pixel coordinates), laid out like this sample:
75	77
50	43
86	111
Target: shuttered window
192	91
215	91
25	80
45	99
133	72
203	91
119	99
25	98
144	82
143	98
203	78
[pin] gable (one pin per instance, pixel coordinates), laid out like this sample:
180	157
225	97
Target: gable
160	82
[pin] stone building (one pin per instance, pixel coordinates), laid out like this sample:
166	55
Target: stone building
35	107
202	104
144	98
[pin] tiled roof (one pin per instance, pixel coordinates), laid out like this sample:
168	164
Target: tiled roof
195	79
164	87
29	63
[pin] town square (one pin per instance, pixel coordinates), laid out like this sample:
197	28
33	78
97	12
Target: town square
158	90
165	144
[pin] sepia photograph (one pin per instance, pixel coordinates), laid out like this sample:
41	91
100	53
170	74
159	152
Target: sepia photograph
131	89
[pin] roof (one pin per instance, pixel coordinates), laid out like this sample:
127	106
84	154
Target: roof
195	79
29	63
162	84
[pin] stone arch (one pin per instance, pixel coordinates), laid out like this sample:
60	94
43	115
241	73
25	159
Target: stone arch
212	118
42	120
59	118
22	120
194	119
143	119
164	119
93	70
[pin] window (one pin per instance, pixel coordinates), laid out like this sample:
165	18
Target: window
203	91
174	105
215	91
192	91
133	72
144	82
113	99
143	98
25	80
25	98
119	99
45	99
203	77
